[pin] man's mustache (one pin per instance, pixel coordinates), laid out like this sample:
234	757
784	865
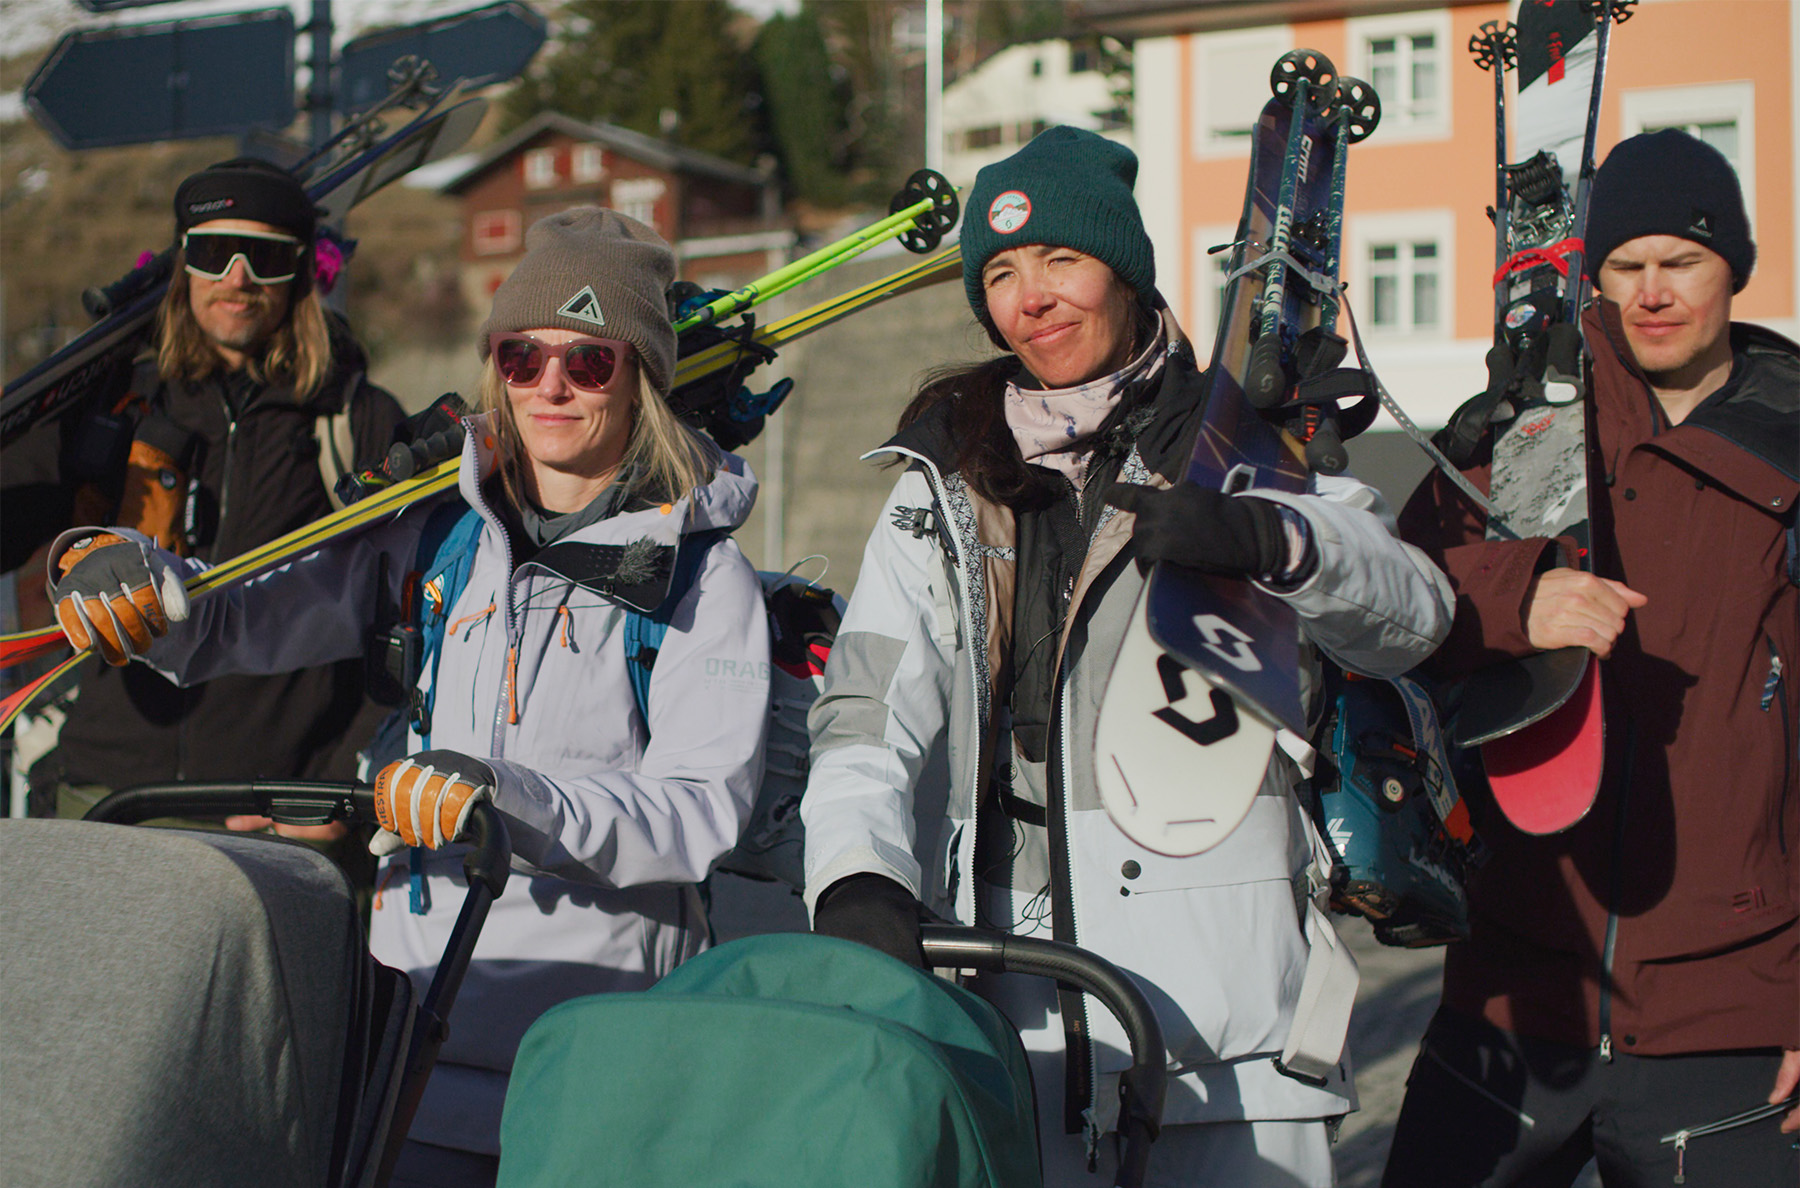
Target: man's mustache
251	296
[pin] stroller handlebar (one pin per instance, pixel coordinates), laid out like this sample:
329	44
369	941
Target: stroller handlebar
486	865
1142	1086
299	802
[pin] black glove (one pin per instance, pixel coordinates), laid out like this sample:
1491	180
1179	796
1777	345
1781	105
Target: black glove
873	910
1204	529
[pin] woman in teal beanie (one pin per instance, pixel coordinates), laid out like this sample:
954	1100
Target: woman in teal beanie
994	595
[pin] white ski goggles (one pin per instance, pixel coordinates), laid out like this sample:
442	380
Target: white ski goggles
269	256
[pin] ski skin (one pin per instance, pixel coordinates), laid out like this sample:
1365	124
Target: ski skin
31	645
1215	662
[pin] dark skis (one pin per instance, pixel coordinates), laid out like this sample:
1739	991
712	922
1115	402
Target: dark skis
366	161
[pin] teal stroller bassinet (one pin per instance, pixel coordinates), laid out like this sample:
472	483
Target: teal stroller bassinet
791	1060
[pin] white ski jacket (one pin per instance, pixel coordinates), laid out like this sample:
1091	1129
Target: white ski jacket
1219	941
613	820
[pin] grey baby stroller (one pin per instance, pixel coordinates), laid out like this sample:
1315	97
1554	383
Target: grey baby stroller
197	1008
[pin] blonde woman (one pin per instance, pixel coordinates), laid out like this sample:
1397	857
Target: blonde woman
592	498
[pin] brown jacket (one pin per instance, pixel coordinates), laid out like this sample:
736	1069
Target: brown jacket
1688	856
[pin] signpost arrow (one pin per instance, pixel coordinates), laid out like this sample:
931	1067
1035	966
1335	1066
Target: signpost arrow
208	76
481	46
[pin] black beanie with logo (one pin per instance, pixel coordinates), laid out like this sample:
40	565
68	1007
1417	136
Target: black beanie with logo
245	188
1669	183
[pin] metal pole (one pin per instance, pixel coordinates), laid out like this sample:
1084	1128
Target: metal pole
318	89
934	85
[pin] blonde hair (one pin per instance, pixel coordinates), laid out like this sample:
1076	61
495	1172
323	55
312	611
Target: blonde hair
666	458
299	349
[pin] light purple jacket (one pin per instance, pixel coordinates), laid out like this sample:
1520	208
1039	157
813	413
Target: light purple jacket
613	819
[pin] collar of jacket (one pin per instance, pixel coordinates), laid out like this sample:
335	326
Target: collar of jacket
1756	414
628	557
1165	443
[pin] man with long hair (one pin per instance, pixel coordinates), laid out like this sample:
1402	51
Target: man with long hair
212	448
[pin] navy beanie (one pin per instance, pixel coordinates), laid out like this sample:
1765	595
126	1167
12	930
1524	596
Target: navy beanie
1669	183
245	188
1068	188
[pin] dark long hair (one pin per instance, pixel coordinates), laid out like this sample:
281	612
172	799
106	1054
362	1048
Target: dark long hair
987	456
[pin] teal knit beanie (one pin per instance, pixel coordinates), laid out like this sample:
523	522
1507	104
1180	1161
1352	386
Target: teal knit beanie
1068	188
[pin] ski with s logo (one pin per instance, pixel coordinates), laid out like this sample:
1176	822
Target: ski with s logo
1209	674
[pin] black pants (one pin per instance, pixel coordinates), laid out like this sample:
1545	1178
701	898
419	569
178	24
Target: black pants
1491	1109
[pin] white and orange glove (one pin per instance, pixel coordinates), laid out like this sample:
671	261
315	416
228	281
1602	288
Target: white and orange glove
425	799
113	593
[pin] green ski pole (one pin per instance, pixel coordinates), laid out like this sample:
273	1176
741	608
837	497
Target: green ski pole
924	210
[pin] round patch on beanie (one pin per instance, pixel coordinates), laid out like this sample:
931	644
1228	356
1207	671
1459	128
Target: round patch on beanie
1009	211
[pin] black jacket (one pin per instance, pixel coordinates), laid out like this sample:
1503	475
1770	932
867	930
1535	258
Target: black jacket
256	463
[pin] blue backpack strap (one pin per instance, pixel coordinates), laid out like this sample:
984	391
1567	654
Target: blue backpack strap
441	566
644	632
445	556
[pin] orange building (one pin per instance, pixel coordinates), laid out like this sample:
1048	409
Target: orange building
1418	252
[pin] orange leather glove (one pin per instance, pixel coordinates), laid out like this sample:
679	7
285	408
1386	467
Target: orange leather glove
113	593
425	799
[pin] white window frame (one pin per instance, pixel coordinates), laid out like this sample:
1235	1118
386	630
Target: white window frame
540	169
1363	232
1204	271
587	163
1396	124
495	245
636	197
1251	45
1704	103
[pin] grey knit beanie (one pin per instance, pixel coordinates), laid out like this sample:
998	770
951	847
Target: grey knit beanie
596	272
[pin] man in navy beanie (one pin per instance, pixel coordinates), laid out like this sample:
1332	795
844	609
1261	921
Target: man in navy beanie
1629	991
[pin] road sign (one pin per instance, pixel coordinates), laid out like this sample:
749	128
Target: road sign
483	45
209	76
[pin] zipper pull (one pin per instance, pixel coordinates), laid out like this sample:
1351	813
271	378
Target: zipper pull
1681	1138
1606	1048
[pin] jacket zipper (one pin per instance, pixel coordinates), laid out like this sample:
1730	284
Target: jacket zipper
1077	1039
1612	901
964	566
1775	692
506	703
231	428
1083	1069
